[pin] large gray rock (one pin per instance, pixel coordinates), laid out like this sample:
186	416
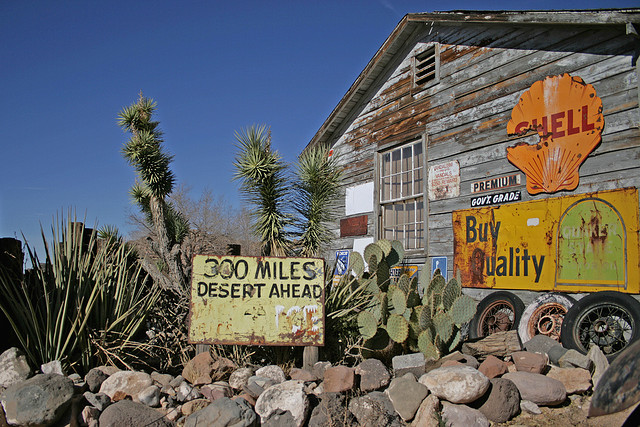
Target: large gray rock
13	367
99	400
287	396
540	344
600	363
574	359
150	396
128	382
129	413
575	380
38	401
456	384
373	375
462	415
223	412
338	379
501	402
406	395
538	388
374	409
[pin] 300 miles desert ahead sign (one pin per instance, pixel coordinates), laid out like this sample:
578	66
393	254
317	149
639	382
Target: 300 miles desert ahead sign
257	301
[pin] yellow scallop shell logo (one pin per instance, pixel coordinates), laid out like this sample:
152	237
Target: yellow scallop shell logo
566	114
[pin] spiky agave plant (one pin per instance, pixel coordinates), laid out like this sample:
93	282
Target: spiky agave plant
261	171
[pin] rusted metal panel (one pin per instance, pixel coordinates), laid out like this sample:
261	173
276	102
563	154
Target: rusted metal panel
257	300
580	243
354	226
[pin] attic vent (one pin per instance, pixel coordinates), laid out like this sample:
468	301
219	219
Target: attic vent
426	65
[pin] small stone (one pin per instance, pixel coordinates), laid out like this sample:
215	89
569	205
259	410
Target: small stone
529	407
456	384
374	409
286	396
176	381
540	344
600	363
150	396
428	414
129	413
330	412
302	375
240	377
319	369
555	353
414	363
94	379
338	379
198	370
462	415
373	375
256	385
192	406
109	370
129	382
273	372
247	398
53	367
89	415
13	367
406	395
538	388
99	400
186	392
493	367
529	362
464	359
161	379
574	359
575	380
501	402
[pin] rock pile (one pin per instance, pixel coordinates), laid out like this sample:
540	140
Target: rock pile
456	389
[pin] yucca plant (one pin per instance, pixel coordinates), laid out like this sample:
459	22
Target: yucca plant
83	305
261	171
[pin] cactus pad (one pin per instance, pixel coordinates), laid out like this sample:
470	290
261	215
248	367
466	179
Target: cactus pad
370	251
404	283
450	292
357	263
426	345
443	325
463	309
382	276
385	246
367	324
424	318
397	328
397	253
397	300
436	285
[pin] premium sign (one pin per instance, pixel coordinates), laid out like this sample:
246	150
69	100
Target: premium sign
567	116
581	243
495	183
444	180
257	300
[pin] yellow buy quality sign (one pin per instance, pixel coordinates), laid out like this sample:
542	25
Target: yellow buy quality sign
257	301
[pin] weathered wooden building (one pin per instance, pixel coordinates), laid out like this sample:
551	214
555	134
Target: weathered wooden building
424	132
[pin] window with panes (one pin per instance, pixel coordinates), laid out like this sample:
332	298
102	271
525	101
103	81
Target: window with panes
402	195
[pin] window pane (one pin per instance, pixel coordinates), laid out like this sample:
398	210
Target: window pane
386	189
395	161
420	211
387	216
411	237
417	155
406	184
411	213
407	163
395	187
386	164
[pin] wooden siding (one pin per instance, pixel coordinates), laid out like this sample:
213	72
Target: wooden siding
483	72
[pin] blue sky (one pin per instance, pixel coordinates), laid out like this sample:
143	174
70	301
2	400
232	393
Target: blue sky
213	67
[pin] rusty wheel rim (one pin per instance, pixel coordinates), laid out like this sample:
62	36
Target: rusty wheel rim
547	320
497	317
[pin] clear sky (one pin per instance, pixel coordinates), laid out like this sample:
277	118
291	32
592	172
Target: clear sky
214	67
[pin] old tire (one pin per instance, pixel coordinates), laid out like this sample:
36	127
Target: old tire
610	320
498	312
544	316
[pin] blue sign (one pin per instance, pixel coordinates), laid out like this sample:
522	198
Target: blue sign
342	261
439	262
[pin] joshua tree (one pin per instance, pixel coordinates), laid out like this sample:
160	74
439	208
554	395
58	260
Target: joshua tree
155	182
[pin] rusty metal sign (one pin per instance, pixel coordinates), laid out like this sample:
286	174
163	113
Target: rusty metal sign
444	180
581	243
566	115
257	301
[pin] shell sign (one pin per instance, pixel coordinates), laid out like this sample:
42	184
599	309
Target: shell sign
567	116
